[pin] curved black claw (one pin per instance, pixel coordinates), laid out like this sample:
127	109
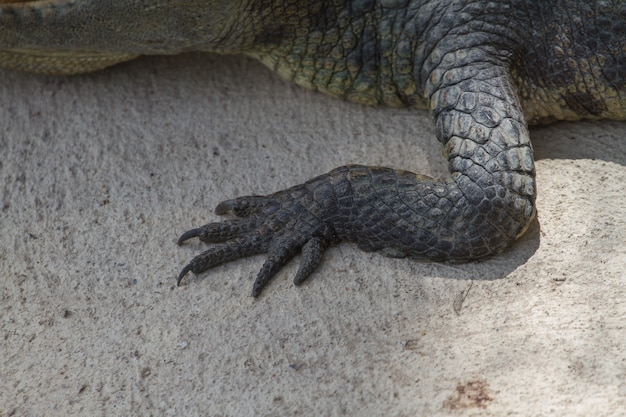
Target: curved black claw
189	235
280	225
182	274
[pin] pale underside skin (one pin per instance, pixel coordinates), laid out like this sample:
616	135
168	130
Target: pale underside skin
483	69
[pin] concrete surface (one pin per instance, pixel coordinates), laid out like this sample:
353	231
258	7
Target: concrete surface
101	173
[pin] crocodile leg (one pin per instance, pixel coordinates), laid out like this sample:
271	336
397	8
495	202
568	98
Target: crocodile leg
458	58
487	203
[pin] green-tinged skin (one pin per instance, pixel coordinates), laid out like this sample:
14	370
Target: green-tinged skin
484	69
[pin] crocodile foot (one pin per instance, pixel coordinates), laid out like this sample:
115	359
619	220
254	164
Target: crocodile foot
280	225
394	212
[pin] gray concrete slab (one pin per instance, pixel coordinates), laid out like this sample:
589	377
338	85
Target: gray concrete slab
101	173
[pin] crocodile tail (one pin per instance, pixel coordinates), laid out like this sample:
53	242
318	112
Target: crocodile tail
44	55
56	63
59	63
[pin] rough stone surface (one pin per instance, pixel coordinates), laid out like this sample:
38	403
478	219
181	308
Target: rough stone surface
101	173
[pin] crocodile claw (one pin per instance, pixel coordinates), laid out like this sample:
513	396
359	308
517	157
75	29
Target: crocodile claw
279	225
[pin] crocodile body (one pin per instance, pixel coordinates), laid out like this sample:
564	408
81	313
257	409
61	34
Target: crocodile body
484	69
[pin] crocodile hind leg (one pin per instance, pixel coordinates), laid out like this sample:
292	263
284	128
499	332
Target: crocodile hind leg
487	203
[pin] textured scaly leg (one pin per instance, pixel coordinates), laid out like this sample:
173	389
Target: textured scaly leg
487	203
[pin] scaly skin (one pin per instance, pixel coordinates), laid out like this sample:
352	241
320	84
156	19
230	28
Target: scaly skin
485	69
